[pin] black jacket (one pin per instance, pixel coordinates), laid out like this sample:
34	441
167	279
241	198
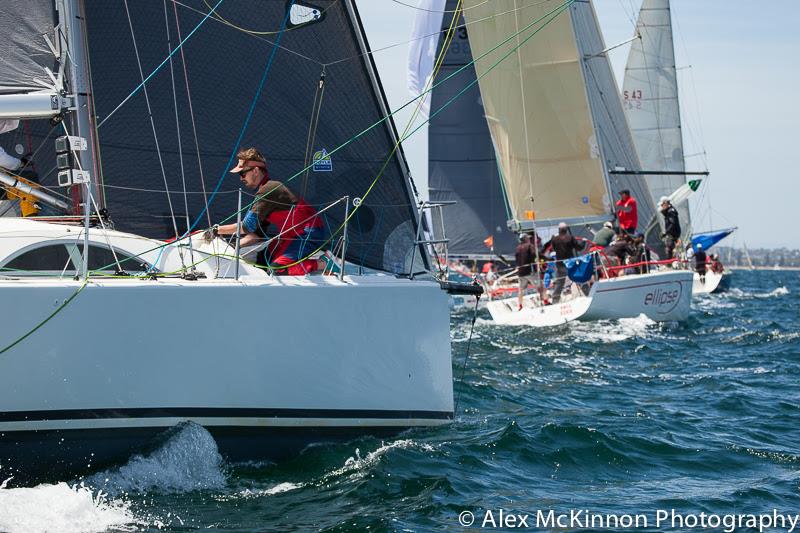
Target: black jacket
525	256
672	225
565	246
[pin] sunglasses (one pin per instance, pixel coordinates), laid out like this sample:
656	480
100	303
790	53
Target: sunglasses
243	173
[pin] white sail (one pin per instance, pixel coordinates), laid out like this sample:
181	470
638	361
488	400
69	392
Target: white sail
557	128
422	49
650	100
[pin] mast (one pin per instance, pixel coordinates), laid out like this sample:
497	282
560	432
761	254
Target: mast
651	102
72	18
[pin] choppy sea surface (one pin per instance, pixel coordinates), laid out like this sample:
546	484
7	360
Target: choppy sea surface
621	417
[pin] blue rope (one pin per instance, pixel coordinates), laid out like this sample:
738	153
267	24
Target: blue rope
166	59
247	119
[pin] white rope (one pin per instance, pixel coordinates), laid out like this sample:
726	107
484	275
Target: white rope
178	131
155	135
191	116
152	125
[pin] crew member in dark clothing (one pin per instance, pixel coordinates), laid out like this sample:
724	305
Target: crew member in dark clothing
640	253
700	259
672	227
527	267
565	245
620	248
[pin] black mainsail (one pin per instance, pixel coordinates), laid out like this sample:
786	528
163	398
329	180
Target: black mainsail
224	62
461	160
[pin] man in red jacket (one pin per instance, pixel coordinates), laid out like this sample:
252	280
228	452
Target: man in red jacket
627	214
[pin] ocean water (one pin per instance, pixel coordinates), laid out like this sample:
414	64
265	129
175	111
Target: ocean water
625	417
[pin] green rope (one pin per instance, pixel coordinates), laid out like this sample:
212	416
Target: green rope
551	14
554	14
46	320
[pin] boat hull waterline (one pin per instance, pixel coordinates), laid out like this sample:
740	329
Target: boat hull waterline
663	296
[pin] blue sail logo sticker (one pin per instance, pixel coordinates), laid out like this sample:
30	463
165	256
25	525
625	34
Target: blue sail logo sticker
322	161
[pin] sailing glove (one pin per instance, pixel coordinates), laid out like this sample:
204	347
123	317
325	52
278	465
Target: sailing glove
211	233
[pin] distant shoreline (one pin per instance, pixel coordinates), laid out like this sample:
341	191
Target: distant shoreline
792	268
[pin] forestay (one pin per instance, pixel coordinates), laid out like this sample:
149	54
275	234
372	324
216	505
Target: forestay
461	161
224	62
650	98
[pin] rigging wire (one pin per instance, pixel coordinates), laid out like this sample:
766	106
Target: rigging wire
191	116
462	9
177	118
152	123
316	108
552	14
160	65
246	121
466	355
256	32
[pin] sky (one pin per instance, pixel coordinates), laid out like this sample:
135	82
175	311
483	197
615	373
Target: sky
738	78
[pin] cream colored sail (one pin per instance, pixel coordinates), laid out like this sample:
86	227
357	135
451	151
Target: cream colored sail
538	113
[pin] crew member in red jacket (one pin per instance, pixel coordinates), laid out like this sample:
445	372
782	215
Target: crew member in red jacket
626	213
300	229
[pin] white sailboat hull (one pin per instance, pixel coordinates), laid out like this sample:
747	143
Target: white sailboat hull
663	296
714	282
267	366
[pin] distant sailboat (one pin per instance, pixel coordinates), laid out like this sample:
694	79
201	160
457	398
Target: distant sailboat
559	131
650	99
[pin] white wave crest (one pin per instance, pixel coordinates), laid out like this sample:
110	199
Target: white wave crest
59	507
188	460
358	466
739	293
611	330
277	489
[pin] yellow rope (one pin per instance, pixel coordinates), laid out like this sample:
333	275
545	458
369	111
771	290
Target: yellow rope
218	17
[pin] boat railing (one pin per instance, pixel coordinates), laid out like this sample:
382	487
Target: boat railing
424	206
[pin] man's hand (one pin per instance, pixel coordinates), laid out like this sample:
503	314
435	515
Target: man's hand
211	233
